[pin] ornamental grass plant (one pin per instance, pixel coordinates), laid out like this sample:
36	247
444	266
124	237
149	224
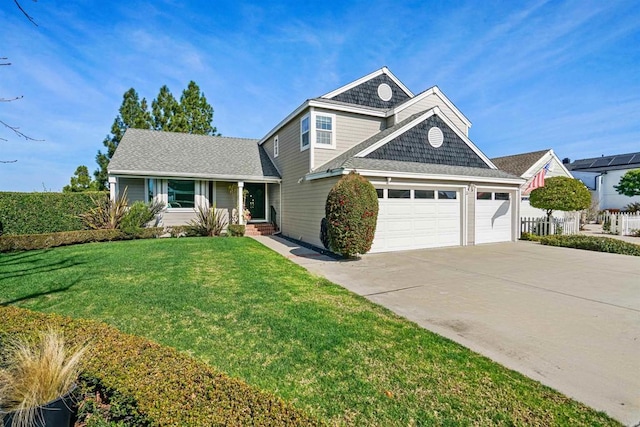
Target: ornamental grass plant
33	374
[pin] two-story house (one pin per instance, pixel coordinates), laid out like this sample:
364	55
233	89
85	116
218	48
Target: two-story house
435	187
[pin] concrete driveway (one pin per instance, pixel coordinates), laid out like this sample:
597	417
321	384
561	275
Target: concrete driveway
565	317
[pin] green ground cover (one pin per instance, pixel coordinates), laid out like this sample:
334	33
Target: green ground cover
257	316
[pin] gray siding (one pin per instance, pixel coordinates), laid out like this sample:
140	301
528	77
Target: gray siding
135	189
304	213
429	102
273	193
351	129
224	199
171	218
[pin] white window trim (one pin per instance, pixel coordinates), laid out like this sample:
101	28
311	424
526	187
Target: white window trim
166	195
306	147
276	146
333	131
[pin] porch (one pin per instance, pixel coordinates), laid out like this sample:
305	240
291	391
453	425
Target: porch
241	202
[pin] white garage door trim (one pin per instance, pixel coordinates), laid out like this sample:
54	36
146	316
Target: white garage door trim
417	218
493	211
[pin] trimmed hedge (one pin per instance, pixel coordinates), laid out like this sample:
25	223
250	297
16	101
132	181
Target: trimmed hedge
31	242
37	213
236	230
168	388
592	243
351	210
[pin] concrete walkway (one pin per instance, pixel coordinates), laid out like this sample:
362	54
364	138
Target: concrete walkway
596	230
565	317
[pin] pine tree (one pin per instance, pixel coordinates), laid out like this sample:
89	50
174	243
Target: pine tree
197	114
166	111
80	181
134	113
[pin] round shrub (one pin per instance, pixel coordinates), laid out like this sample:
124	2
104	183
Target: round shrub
351	211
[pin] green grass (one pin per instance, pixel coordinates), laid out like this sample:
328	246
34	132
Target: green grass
257	316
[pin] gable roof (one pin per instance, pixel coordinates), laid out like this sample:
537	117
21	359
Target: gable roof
158	153
357	156
382	71
435	90
600	164
518	164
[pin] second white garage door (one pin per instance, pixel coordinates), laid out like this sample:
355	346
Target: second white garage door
415	219
493	217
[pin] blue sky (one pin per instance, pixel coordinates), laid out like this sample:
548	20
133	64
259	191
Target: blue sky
529	75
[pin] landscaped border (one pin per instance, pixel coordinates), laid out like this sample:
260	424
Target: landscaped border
169	388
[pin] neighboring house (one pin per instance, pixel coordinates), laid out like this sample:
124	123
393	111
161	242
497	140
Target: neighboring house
527	166
435	187
600	174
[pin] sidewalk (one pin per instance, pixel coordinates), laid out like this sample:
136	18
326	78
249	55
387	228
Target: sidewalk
596	230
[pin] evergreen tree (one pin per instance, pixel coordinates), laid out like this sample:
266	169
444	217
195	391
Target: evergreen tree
192	114
197	114
80	181
166	111
134	113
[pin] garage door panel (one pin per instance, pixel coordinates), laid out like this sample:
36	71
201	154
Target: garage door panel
493	221
405	224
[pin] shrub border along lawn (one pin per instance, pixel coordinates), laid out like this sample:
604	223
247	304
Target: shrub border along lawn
592	243
29	242
169	388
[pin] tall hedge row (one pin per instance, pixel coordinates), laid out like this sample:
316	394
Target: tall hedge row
37	213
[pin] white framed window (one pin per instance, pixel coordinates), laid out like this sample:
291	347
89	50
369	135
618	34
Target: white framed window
181	193
305	132
276	146
325	130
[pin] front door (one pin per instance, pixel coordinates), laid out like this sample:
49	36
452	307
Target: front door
256	201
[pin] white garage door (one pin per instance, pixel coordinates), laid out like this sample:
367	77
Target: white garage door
493	217
415	219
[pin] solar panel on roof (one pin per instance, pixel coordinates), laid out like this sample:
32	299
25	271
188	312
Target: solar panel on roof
602	162
579	164
621	160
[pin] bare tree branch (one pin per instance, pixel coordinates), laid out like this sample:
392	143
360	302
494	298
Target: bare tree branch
29	17
17	131
11	99
8	161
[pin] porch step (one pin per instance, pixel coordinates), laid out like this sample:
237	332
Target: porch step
259	230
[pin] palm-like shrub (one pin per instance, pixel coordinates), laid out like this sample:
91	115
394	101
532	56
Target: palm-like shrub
352	212
107	213
208	221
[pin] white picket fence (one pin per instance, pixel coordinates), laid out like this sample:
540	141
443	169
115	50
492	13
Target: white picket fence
623	224
570	224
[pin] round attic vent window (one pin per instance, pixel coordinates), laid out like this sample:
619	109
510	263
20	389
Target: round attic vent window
384	92
435	136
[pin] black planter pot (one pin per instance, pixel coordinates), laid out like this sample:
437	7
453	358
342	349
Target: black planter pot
60	412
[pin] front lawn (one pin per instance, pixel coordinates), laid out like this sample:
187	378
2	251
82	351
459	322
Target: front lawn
255	315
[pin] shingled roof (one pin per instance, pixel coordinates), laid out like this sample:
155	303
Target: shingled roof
158	153
451	153
518	164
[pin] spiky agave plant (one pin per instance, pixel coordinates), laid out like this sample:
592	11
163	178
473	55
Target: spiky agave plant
36	373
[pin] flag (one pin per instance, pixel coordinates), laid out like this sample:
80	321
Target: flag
538	179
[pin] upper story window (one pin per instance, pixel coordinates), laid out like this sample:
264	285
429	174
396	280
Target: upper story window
181	194
325	134
305	135
276	146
